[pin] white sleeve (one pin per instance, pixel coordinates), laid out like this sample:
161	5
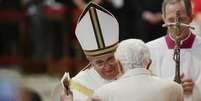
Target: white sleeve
58	91
177	93
102	94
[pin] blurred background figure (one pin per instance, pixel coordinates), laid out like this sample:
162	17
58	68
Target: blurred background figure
15	86
10	85
149	20
30	95
11	13
37	29
126	14
13	89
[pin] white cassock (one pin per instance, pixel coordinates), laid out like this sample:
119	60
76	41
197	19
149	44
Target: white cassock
90	79
82	85
163	65
139	85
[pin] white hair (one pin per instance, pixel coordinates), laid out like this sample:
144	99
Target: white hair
132	53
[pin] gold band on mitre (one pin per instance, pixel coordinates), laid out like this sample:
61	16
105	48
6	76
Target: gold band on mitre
101	51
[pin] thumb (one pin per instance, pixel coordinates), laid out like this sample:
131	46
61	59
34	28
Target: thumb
182	75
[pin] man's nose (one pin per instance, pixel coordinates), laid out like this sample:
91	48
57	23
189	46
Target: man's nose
107	65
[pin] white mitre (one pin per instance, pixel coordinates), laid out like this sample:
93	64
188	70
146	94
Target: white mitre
97	30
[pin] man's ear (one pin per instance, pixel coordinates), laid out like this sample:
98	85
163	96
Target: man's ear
150	61
191	19
147	63
120	67
163	17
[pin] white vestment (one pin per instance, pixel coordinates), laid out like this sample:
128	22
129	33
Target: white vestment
139	85
90	79
163	64
84	84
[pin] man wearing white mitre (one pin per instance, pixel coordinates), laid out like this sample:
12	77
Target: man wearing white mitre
98	33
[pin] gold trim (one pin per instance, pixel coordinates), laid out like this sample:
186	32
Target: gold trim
100	51
97	27
81	88
92	4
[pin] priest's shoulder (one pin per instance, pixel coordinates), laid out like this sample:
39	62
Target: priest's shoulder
156	43
83	74
198	40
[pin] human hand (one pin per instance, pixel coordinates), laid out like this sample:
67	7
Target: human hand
187	85
80	4
152	17
93	98
65	97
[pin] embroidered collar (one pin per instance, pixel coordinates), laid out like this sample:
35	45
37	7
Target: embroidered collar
186	43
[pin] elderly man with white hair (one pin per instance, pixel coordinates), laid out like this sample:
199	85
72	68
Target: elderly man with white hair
137	83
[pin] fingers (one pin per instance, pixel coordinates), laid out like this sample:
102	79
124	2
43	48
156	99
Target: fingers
96	98
187	86
93	98
182	75
65	97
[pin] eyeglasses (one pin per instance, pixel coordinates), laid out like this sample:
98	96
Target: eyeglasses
101	63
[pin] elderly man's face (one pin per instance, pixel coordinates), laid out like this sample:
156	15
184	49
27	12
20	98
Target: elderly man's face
106	66
170	17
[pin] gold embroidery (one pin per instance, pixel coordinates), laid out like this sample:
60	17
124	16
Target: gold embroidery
81	88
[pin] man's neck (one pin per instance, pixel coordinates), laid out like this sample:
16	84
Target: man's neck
183	36
185	43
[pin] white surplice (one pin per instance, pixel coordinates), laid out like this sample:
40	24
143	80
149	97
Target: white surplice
163	65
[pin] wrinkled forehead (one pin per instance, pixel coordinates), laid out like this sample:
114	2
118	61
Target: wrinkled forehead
172	8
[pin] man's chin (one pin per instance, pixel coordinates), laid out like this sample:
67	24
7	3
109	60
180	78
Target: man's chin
110	76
